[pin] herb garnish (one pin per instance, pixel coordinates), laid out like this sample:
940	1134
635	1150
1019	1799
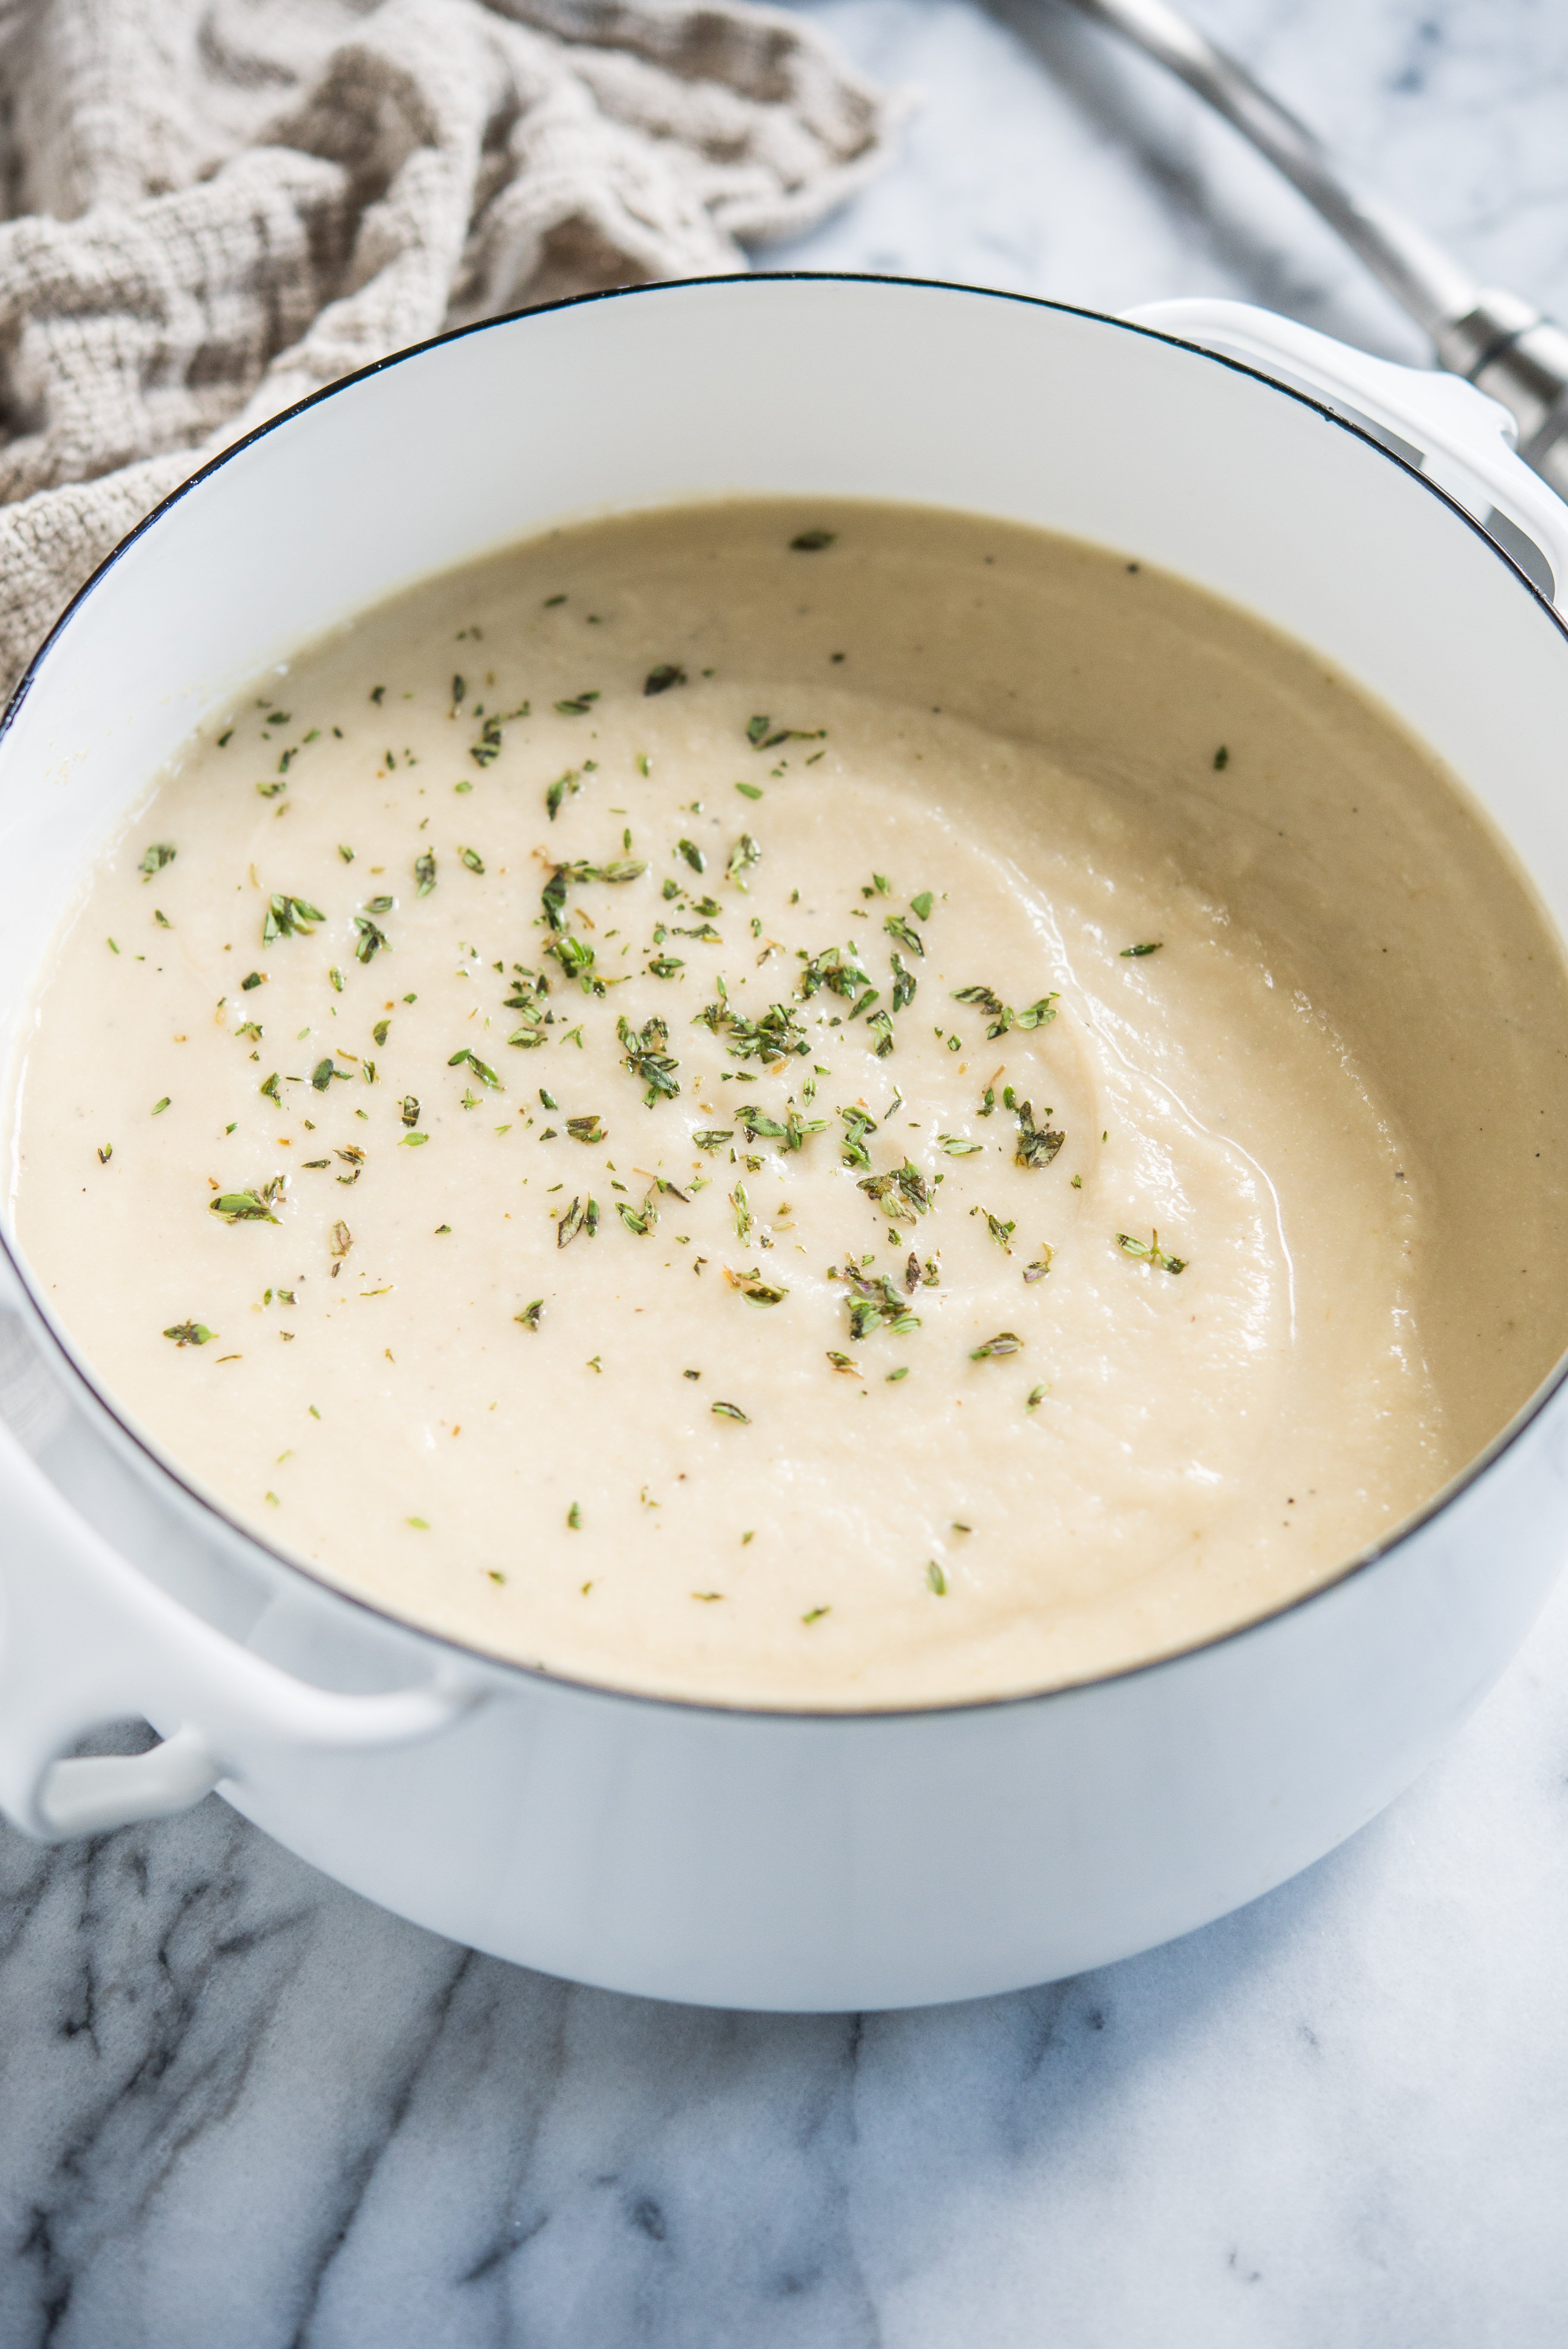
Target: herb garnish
922	904
577	706
482	1069
907	936
1041	1266
1150	946
1003	1017
713	1137
161	852
936	1579
955	1146
647	1059
857	1126
731	1410
875	1304
660	679
1149	1252
586	1129
371	939
903	983
578	1217
288	917
1038	1144
759	738
812	541
425	872
774	1037
249	1206
792	1135
1000	1232
1004	1342
532	1315
902	1191
743	856
190	1333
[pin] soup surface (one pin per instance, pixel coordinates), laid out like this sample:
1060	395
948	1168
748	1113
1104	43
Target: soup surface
829	1108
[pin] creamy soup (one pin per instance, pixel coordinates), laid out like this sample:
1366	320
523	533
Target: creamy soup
827	1107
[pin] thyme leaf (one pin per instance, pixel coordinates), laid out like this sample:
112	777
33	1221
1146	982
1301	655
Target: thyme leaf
1004	1342
660	679
190	1333
1149	1252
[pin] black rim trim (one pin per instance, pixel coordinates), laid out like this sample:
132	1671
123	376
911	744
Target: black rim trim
1454	1491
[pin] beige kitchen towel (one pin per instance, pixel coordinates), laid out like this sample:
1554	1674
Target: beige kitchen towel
214	207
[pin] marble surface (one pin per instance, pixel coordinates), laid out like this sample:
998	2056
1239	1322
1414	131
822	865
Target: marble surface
241	2109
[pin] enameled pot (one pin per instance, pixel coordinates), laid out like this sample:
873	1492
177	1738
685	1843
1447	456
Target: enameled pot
683	1850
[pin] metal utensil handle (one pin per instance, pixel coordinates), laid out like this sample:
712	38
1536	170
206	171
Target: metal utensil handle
1495	339
85	1641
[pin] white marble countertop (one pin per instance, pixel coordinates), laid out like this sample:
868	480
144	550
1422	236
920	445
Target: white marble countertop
241	2109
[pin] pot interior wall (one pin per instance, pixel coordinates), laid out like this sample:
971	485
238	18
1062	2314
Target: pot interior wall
975	401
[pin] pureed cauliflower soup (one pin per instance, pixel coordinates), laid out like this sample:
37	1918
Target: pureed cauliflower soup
832	1107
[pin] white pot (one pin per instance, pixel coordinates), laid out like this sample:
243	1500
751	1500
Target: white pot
685	1851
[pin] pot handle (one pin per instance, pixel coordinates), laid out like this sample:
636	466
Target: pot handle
85	1639
1438	423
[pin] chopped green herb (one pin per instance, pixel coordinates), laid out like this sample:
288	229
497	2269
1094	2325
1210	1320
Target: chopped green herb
190	1333
902	1191
1221	759
472	858
793	1133
161	852
880	1028
1000	1232
412	1141
586	1129
874	1304
106	1151
577	705
381	1030
421	1525
345	851
371	938
731	1410
252	978
532	1315
660	679
846	1363
936	1579
1041	1265
1149	1252
905	932
713	1137
425	872
287	917
893	1376
743	857
812	541
270	1087
693	855
640	1220
755	1289
1004	1342
648	1060
775	1036
1151	945
1038	1144
248	1206
1035	1397
160	1106
922	904
956	1147
750	791
665	966
903	983
815	1614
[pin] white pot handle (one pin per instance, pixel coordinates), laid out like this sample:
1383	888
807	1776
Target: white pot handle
86	1639
1438	423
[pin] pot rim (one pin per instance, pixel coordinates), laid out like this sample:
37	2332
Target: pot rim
1359	1564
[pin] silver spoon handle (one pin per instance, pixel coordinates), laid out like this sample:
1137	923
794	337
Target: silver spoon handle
1496	339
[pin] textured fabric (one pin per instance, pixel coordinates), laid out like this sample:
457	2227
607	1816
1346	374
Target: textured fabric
214	207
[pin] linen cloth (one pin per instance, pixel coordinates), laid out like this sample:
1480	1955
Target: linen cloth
214	207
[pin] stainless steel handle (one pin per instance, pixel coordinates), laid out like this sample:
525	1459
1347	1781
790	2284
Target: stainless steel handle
1497	340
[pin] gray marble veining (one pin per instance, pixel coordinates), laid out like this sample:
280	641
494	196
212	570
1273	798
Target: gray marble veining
241	2109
